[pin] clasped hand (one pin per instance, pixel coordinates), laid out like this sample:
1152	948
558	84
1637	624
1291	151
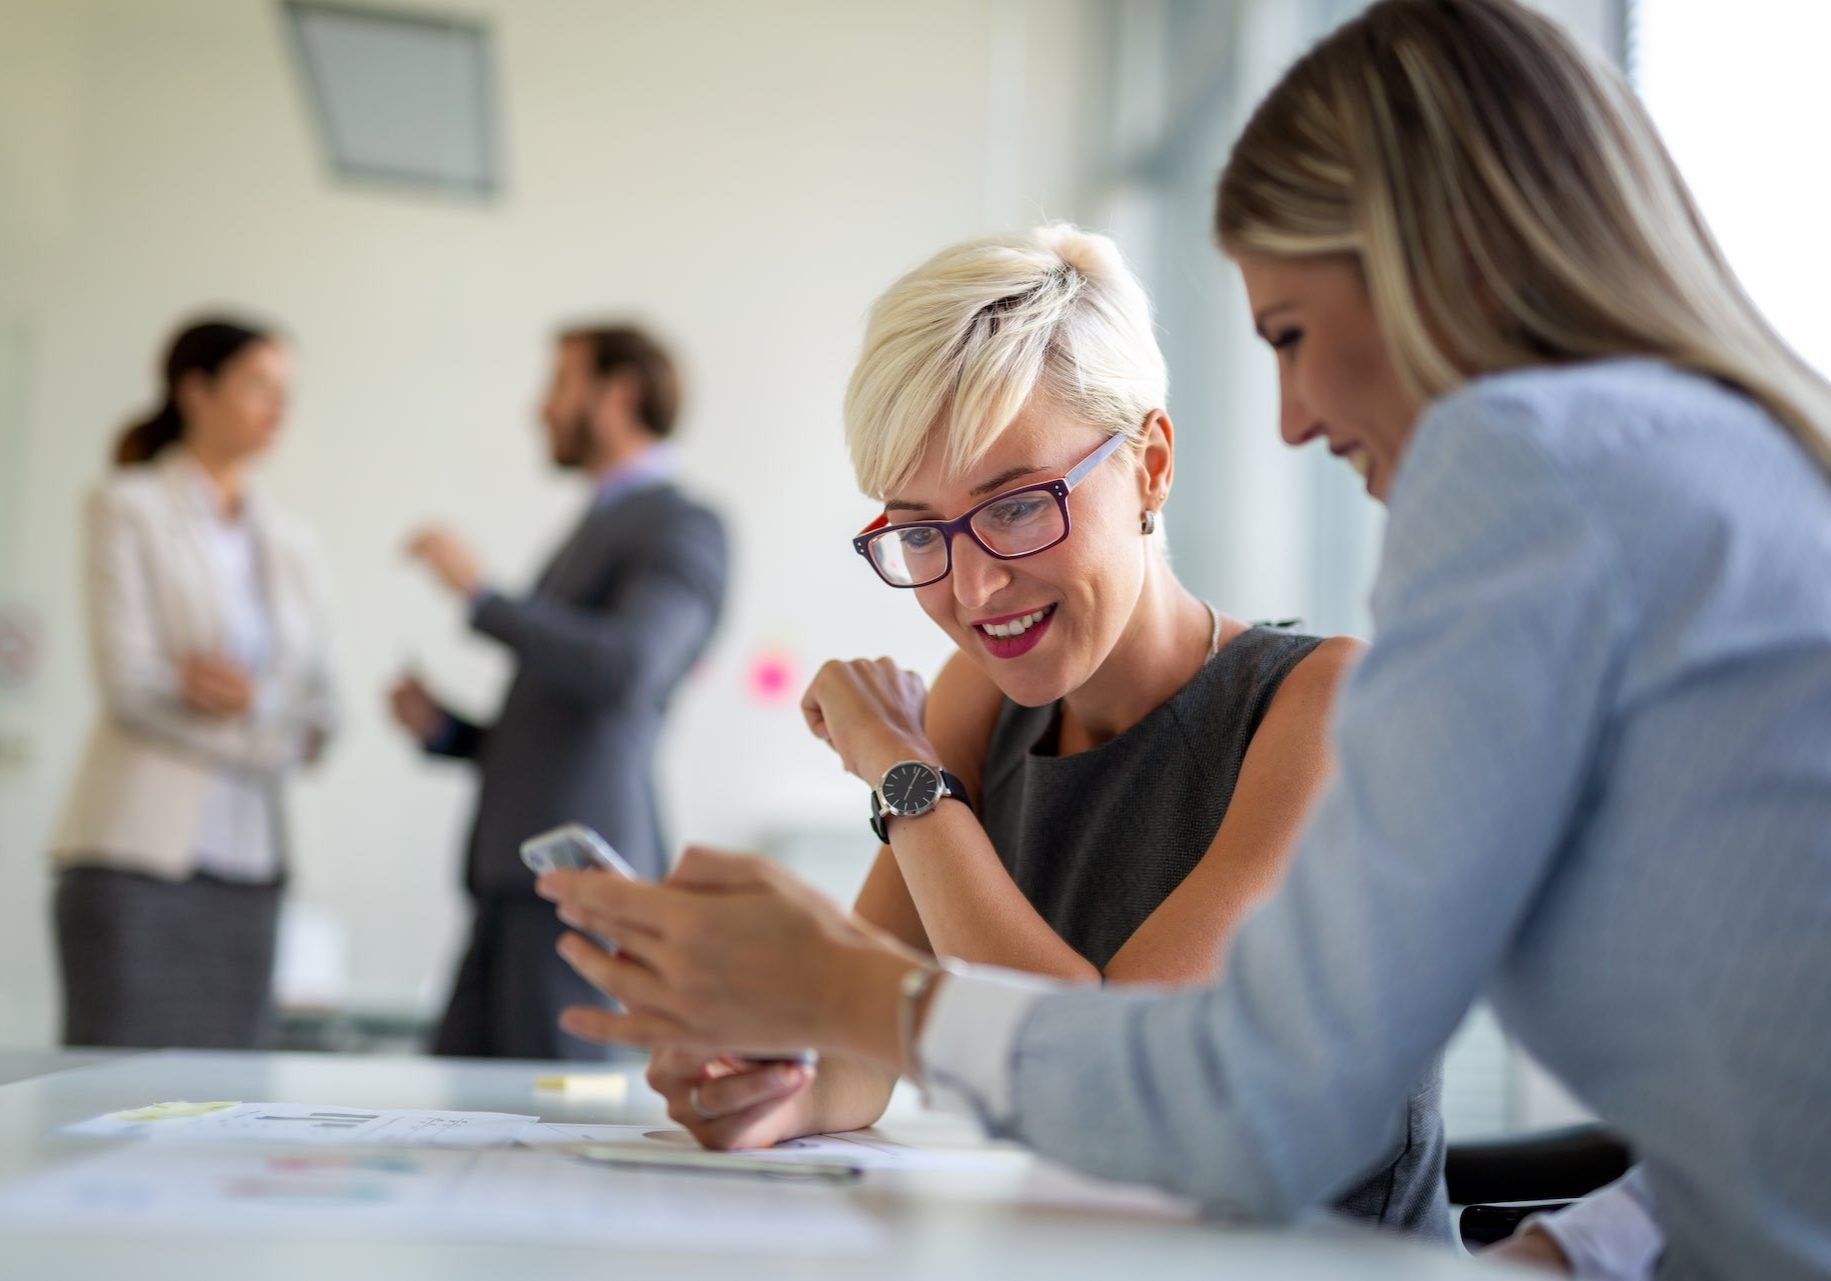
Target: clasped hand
729	951
870	711
215	686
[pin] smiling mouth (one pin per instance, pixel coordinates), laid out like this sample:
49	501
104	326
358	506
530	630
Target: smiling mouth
1355	457
1014	626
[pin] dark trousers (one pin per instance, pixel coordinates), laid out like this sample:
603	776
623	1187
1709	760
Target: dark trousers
156	964
511	987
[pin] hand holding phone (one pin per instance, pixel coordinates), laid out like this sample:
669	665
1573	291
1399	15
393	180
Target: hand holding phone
573	847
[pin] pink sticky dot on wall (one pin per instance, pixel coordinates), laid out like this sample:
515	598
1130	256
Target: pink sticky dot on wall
772	677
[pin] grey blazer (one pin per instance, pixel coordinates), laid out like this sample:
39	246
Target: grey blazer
615	621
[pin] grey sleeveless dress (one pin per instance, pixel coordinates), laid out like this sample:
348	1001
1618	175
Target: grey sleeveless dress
1096	840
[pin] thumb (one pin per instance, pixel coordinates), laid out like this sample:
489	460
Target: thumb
704	868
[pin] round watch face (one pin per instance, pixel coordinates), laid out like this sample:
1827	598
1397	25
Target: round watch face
911	788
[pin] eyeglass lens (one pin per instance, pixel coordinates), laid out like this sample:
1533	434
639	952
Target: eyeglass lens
1014	525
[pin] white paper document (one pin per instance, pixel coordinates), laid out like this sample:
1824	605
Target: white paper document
859	1149
498	1194
324	1125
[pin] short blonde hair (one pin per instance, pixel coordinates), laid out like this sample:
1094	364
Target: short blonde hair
1510	204
956	348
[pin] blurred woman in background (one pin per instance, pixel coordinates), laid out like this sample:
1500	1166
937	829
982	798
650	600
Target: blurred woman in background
208	628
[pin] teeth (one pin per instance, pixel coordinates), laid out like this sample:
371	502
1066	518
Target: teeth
1357	459
1016	627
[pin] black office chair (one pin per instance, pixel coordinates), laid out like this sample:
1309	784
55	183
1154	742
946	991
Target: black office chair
1536	1172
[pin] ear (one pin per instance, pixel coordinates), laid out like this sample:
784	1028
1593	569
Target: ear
1156	460
189	393
614	409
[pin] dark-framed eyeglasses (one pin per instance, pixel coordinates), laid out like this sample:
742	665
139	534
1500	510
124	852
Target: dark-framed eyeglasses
1009	526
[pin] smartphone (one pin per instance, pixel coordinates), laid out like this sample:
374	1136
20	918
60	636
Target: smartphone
573	847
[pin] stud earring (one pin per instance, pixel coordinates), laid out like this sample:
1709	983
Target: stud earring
1147	523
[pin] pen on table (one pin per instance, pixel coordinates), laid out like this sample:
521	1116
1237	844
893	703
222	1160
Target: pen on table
718	1163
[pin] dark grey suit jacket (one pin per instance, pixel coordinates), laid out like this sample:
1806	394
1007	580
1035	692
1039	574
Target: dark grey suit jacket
613	624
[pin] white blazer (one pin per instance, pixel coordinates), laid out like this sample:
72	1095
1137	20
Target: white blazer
139	796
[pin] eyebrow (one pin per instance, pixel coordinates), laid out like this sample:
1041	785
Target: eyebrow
1258	320
997	482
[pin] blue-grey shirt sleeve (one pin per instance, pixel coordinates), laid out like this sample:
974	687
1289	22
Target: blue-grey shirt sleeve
1465	741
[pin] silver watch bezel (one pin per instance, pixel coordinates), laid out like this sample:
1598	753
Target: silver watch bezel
889	809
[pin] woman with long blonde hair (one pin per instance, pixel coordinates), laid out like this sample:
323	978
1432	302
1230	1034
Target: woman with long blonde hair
1585	768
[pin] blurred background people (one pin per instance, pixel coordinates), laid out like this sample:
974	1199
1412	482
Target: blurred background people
209	633
600	643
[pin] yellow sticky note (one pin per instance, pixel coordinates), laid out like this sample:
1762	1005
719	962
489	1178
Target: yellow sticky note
178	1111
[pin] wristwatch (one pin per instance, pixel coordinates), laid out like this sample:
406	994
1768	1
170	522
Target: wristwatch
911	788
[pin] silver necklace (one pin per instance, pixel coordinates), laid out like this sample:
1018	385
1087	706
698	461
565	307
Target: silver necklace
1214	629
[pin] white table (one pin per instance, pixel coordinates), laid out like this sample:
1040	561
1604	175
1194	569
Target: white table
1018	1217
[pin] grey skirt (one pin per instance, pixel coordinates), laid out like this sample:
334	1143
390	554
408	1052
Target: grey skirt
156	964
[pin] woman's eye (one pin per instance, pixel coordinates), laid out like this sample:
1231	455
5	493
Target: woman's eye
1017	511
918	540
1286	340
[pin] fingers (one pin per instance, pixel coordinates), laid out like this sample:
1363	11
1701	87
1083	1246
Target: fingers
615	1027
618	975
704	868
812	709
723	1096
733	1103
759	1125
673	1070
816	722
214	686
612	906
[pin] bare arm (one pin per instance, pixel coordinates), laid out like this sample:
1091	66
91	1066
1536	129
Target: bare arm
973	910
941	874
731	1103
966	901
848	1093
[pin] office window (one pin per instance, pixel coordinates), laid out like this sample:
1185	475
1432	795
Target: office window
1741	96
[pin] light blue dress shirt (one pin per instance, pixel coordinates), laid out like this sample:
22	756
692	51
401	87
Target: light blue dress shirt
1585	769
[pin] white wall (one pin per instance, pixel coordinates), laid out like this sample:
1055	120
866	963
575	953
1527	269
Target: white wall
745	176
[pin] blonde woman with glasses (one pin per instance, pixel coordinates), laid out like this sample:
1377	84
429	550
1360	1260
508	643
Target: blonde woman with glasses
1110	771
1585	768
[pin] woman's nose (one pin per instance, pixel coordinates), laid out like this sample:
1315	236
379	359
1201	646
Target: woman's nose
977	575
1296	424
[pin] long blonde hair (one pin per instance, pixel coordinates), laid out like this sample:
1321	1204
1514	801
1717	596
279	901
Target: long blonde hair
1509	202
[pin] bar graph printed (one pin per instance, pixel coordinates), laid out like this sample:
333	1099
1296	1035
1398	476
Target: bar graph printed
310	1124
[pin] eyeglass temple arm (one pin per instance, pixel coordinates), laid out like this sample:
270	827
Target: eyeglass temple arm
1093	460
